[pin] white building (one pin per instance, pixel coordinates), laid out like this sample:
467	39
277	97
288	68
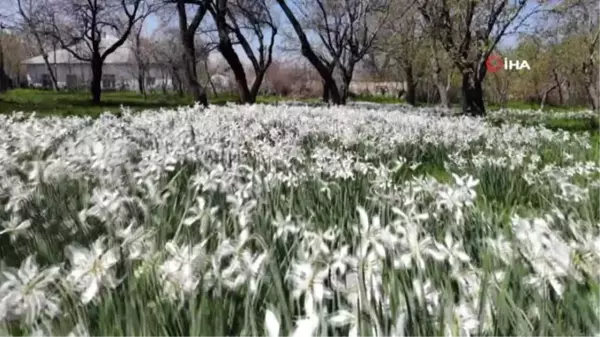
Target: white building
119	71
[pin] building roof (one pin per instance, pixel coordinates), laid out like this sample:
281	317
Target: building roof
123	54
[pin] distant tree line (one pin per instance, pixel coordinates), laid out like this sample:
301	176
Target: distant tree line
438	49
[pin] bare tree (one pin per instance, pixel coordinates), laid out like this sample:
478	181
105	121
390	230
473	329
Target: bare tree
440	65
219	11
469	30
80	27
401	40
141	56
311	56
242	18
168	51
346	31
35	15
141	47
187	32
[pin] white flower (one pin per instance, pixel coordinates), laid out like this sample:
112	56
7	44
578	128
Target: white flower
412	247
319	242
306	279
285	226
271	324
306	327
15	227
26	293
181	273
452	251
372	235
501	248
137	243
244	269
463	322
338	265
92	268
201	214
427	295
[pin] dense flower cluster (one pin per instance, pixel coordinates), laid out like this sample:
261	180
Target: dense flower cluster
297	220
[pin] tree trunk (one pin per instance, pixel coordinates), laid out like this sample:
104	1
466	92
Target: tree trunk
591	84
410	85
96	86
345	90
260	75
472	94
189	61
226	49
327	90
592	91
558	85
47	62
325	95
442	88
186	35
443	91
347	74
177	81
545	95
210	81
141	86
163	86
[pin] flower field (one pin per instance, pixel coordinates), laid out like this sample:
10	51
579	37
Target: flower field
291	220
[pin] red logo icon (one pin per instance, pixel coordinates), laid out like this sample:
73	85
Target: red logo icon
494	63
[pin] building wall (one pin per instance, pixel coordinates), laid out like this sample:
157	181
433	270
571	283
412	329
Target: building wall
125	75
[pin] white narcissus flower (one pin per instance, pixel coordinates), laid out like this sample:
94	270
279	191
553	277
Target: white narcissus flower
427	295
338	265
181	273
92	269
200	213
245	268
451	250
466	319
285	226
306	327
343	318
26	293
271	324
15	227
371	235
306	279
319	241
413	247
502	249
137	243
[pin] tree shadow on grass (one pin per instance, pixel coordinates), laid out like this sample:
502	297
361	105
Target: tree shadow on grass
574	125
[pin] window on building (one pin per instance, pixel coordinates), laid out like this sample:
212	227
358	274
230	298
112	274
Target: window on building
109	82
